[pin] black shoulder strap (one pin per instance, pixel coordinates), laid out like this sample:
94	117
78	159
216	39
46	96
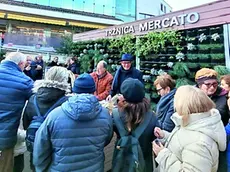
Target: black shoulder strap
119	124
142	126
36	106
60	101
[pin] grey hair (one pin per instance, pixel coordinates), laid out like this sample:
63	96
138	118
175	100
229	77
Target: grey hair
56	77
16	57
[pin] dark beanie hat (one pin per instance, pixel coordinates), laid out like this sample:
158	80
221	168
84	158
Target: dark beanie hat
126	57
84	84
133	90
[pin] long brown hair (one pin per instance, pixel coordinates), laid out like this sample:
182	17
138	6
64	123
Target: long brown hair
134	113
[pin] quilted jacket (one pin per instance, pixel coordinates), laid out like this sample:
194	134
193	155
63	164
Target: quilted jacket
194	147
73	136
103	85
15	89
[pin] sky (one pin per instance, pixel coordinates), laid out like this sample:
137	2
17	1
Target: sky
183	4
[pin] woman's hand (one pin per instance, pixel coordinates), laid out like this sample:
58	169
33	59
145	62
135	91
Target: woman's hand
159	133
157	147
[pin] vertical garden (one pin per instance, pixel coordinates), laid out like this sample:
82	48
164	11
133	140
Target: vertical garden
179	53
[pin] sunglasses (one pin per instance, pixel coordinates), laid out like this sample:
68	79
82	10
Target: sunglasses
209	85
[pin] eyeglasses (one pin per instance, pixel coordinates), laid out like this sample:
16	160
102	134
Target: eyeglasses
209	85
158	90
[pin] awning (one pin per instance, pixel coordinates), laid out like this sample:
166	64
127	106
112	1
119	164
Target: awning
87	25
2	15
36	19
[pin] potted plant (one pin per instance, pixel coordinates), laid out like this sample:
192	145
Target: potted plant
163	59
204	58
193	67
180	69
164	67
216	29
180	56
192	40
217	48
192	33
218	58
203	31
203	39
172	59
204	48
221	70
183	81
171	50
192	57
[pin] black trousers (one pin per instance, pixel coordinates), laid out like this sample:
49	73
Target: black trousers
19	163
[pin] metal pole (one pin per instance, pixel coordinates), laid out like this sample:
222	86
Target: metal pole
227	44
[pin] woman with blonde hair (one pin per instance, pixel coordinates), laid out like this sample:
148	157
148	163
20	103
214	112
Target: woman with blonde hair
197	138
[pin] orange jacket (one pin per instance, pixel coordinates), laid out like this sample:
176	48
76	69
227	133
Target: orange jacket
103	85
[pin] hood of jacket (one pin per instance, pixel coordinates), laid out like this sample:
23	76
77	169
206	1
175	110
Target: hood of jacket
82	107
165	100
208	123
47	95
51	84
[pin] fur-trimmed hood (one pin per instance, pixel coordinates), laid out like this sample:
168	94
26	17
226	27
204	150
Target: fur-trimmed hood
51	84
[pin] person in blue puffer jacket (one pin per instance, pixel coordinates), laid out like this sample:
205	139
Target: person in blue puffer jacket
165	87
227	129
15	89
73	136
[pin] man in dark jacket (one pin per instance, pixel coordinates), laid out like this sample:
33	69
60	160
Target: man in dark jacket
125	71
15	90
73	136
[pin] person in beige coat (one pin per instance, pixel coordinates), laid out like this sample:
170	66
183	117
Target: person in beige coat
198	136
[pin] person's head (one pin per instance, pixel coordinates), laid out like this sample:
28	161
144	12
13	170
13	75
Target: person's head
55	59
126	61
18	58
72	60
84	83
225	82
29	60
164	84
55	77
135	104
101	67
206	80
39	57
190	100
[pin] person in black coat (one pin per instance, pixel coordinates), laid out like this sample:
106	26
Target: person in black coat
132	112
54	62
48	91
74	66
125	71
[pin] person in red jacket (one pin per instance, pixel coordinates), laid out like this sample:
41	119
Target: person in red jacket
103	80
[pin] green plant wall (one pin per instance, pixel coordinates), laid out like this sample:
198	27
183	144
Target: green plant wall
179	53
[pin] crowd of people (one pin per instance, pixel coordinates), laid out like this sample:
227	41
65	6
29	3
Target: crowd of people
61	121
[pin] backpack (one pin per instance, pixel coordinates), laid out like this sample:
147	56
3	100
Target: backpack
37	122
128	156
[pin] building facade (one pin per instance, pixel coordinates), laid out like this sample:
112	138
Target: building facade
35	26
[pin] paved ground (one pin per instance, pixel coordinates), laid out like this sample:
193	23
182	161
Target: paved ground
27	162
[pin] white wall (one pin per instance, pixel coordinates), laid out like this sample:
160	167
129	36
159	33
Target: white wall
151	7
